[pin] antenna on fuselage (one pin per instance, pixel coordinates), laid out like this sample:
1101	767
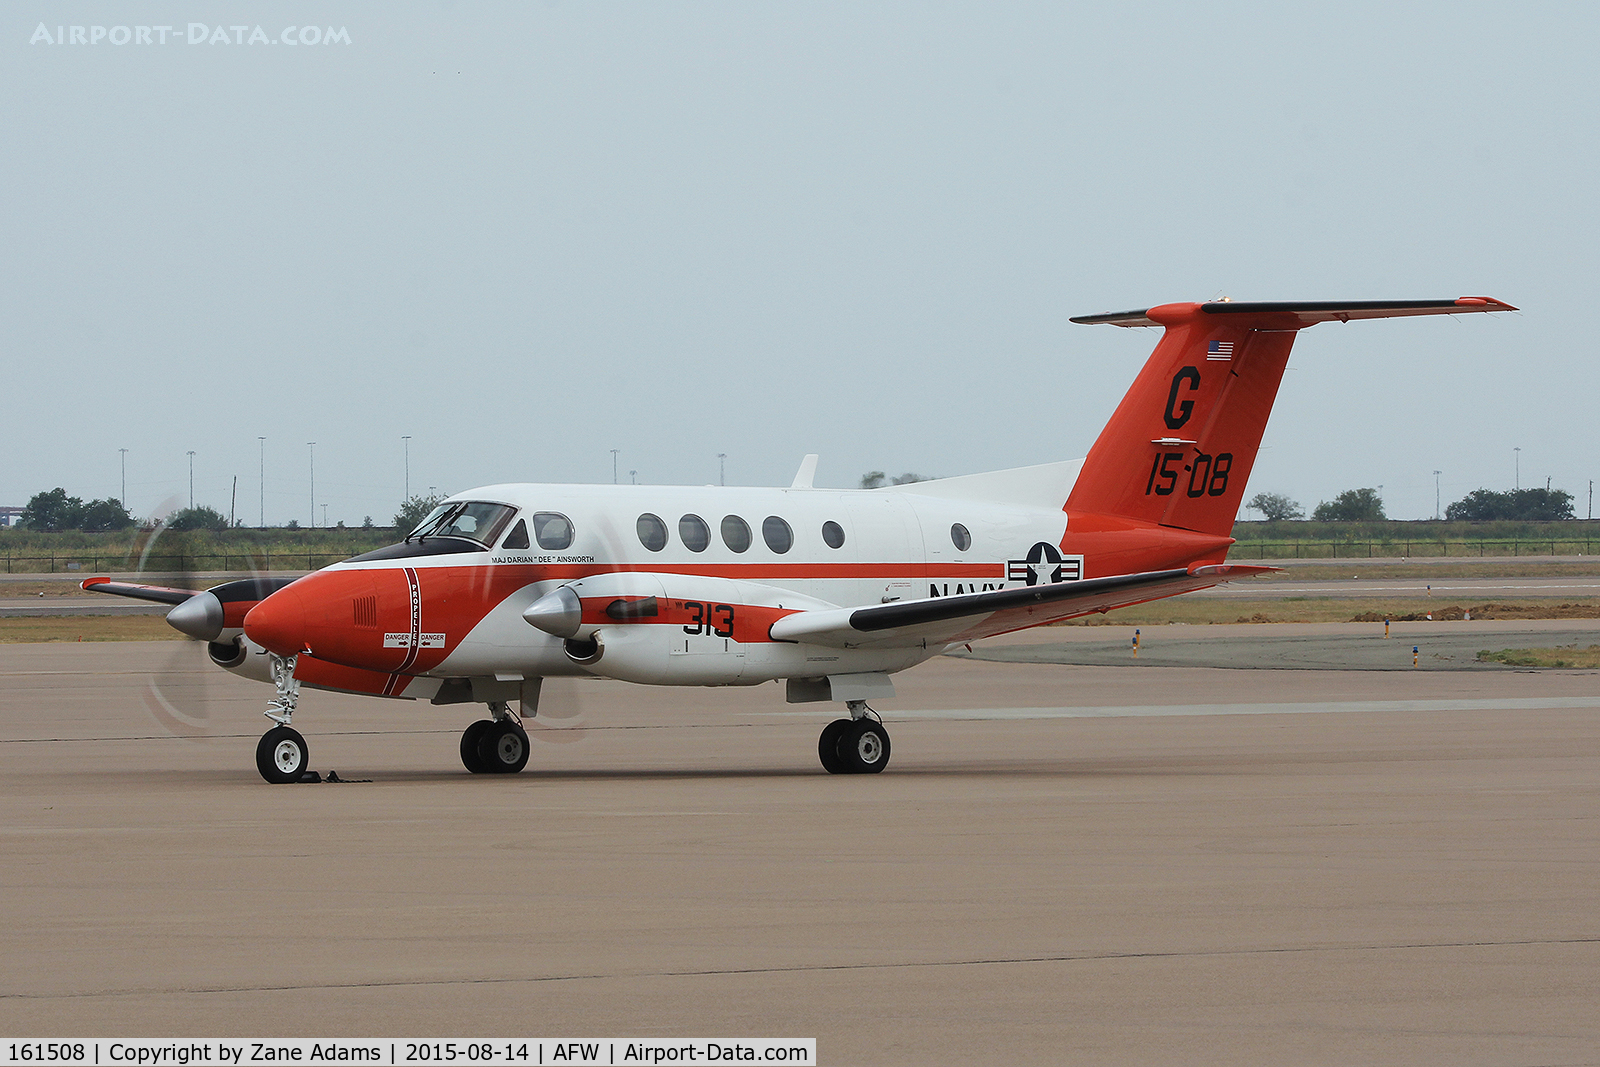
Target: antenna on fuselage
807	474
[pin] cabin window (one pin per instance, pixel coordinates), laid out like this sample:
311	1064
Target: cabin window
960	537
776	533
832	534
652	532
518	537
552	530
694	533
735	533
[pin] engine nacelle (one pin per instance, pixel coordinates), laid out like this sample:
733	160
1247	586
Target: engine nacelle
239	655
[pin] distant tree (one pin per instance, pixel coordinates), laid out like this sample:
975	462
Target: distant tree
366	522
100	516
1519	505
875	479
53	511
292	524
1276	507
197	518
1352	505
414	511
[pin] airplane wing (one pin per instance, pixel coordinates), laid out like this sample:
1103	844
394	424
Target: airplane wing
970	616
158	593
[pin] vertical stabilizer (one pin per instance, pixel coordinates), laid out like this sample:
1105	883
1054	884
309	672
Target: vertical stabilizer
1179	449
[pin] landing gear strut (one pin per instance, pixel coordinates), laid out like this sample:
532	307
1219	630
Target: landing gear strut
282	755
495	746
857	745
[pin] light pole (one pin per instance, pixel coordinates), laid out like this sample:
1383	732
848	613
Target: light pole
324	516
1436	494
614	452
633	477
263	481
722	468
123	499
407	439
1518	457
313	446
191	479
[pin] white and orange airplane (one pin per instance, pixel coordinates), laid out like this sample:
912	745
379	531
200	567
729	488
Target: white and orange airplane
832	591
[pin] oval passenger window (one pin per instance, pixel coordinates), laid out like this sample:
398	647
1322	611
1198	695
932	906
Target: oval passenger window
652	532
776	533
833	534
960	536
552	530
694	533
735	533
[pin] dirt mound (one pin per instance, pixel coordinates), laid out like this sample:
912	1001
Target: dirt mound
1454	613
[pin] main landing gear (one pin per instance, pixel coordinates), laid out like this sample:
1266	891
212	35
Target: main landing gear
857	745
495	746
281	755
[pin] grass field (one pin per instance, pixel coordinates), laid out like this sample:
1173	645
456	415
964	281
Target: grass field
1569	657
87	628
1200	611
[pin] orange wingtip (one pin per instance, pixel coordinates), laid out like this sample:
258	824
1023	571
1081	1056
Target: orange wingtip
87	582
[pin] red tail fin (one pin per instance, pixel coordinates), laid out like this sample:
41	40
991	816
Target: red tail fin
1179	449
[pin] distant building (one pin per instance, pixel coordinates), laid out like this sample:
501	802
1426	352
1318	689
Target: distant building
10	516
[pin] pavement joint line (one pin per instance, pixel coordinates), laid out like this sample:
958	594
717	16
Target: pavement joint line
995	961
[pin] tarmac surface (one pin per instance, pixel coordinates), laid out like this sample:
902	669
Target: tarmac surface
1063	864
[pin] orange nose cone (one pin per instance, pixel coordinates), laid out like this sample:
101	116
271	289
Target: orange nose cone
278	623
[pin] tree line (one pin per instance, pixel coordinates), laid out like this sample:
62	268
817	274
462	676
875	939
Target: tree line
1480	505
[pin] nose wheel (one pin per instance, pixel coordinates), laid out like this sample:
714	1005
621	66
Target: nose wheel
854	746
282	756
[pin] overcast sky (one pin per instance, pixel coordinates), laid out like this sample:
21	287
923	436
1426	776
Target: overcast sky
527	234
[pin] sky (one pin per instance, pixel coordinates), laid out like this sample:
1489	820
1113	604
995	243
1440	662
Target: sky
528	234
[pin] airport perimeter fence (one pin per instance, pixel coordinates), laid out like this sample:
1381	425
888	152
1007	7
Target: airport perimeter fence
62	563
1406	549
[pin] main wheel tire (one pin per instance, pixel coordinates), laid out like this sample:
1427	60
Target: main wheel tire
469	746
864	747
828	746
282	756
503	748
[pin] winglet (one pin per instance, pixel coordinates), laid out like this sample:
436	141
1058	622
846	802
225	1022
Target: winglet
806	474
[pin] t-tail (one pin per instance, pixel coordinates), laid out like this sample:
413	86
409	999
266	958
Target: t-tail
1177	454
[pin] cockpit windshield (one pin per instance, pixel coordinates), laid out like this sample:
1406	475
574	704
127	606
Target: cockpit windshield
475	520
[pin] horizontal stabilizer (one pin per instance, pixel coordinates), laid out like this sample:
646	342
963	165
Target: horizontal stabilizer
1306	312
970	616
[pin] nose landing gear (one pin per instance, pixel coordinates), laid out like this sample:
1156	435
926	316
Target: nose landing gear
282	755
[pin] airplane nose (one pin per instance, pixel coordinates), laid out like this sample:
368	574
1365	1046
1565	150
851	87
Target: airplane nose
278	623
200	616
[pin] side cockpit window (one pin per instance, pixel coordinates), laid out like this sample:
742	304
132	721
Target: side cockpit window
518	537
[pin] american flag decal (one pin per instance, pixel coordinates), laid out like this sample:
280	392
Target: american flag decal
1219	350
